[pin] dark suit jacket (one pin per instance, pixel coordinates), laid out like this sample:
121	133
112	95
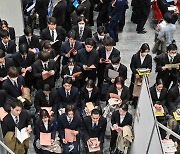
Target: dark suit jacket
115	119
39	127
95	96
37	73
86	34
61	34
73	98
81	58
98	131
65	71
8	63
8	123
11	90
124	94
63	123
163	95
41	7
65	48
34	43
122	72
163	59
3	97
40	100
11	47
59	12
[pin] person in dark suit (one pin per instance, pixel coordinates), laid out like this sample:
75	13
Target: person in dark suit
168	75
141	59
90	93
82	31
68	94
88	59
13	84
45	124
59	12
41	7
31	40
7	45
120	89
142	12
70	47
106	53
69	120
54	33
44	70
119	119
3	98
4	26
115	65
173	98
87	5
46	97
24	61
69	70
16	118
5	63
94	126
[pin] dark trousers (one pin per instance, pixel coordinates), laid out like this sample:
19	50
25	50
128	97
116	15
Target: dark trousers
122	21
74	151
42	22
103	15
141	21
112	28
113	140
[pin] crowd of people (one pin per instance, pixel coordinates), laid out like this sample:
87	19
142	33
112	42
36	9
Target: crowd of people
89	66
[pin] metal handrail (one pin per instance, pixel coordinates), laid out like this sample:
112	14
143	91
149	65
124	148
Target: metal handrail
6	148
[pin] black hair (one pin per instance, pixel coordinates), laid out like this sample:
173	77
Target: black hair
119	80
23	48
71	60
172	47
51	20
46	44
70	108
158	82
67	80
16	103
81	18
124	107
144	47
2	53
115	59
4	33
168	17
101	29
72	34
46	87
90	83
108	41
80	9
44	56
3	22
13	72
28	30
90	41
44	113
95	111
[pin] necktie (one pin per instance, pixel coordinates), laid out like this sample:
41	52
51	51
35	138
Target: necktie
171	60
67	94
15	84
45	66
24	58
29	40
94	125
16	120
6	46
2	66
70	120
80	34
52	35
71	45
47	99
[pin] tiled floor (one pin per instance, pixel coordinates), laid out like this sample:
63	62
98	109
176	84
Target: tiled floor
129	43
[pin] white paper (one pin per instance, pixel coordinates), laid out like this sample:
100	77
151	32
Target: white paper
171	8
112	73
31	7
22	135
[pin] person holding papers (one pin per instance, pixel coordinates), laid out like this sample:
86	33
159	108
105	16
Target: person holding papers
167	72
69	130
45	133
18	119
73	71
88	58
90	94
119	119
94	128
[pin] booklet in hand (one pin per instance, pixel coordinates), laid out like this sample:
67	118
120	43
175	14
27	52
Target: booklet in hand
21	135
93	147
45	139
69	136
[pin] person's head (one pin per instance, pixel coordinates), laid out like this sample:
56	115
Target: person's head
81	22
13	73
16	107
4	25
89	85
28	31
80	10
115	60
119	82
2	56
95	115
159	85
172	123
5	36
123	109
67	83
23	49
108	42
51	23
144	50
72	36
89	44
168	17
44	56
71	61
44	115
70	111
172	50
47	46
101	32
46	89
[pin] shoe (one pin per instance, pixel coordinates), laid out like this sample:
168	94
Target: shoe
142	29
142	32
